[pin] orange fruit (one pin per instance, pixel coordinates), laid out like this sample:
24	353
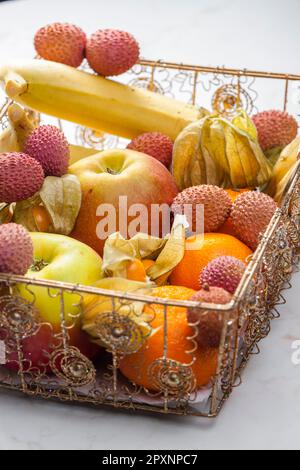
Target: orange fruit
136	366
228	227
136	271
234	193
187	272
41	217
148	263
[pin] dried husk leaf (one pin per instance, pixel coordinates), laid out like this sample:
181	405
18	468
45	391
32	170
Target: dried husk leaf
170	256
95	307
185	162
215	143
192	165
23	214
5	212
217	151
118	252
61	197
241	157
167	252
273	155
243	167
244	123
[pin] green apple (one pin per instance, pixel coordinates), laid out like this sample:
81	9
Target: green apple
64	259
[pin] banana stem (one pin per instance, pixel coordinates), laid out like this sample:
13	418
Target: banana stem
15	85
15	113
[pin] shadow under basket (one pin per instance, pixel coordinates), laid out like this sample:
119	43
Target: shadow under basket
57	369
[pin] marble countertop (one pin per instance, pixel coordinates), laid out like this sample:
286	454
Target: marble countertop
264	412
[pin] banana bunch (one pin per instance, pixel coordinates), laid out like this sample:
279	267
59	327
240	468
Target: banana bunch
21	124
94	101
217	151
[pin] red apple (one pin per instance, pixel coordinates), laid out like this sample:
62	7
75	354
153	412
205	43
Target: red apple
64	259
130	183
37	349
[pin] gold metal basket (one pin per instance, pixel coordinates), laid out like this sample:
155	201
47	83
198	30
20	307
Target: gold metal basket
67	374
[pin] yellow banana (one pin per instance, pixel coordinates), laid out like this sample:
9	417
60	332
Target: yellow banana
284	169
20	126
94	101
8	141
78	153
22	122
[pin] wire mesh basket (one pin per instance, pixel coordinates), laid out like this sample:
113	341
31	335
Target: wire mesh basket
56	368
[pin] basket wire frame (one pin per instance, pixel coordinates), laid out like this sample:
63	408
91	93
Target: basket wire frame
66	374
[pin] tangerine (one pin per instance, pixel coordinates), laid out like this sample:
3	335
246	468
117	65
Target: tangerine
203	362
227	227
148	263
42	218
207	247
136	271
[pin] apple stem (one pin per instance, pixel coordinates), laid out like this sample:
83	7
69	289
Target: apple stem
112	172
38	265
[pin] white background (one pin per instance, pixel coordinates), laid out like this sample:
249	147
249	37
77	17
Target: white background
265	411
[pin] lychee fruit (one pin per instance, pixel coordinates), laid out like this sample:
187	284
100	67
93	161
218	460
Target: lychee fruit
49	146
251	215
276	129
112	52
16	249
216	202
225	272
209	323
21	176
61	42
156	145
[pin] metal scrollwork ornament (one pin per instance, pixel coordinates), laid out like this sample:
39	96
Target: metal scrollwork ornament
97	140
18	316
73	367
229	98
146	82
172	377
119	333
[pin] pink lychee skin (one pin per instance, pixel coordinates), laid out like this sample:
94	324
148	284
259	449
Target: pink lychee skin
49	146
251	214
61	42
21	176
16	249
225	272
275	129
155	144
112	52
217	205
209	324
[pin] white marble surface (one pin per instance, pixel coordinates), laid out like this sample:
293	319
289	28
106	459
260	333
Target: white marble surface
264	412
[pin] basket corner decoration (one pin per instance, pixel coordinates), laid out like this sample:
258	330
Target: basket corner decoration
159	312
